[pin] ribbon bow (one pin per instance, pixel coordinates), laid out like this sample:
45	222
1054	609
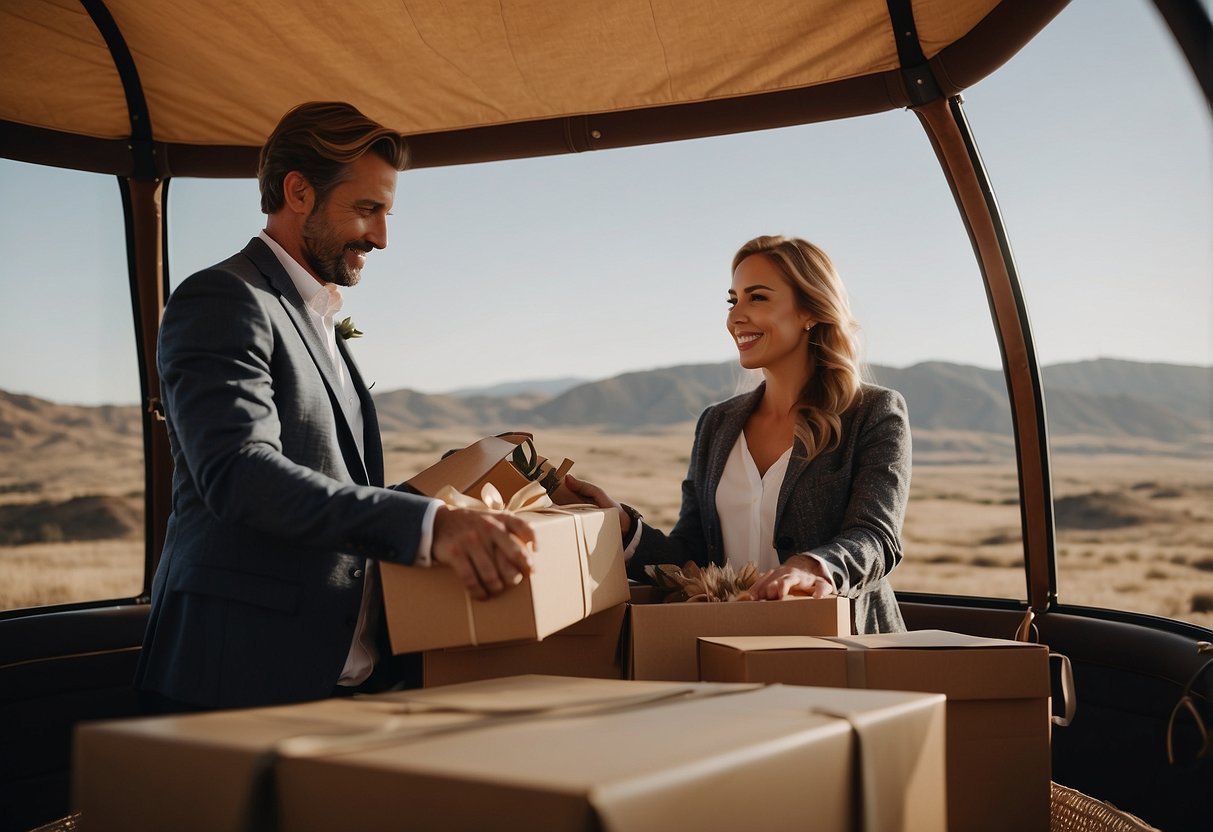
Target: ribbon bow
530	497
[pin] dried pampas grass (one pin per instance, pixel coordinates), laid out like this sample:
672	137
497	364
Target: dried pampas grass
691	582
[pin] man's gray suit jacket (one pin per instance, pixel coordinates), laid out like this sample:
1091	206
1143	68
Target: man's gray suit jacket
274	511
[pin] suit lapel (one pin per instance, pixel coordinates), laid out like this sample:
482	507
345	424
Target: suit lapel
730	429
267	263
372	443
727	433
797	466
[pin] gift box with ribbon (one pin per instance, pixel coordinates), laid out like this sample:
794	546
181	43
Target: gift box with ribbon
579	571
559	754
507	461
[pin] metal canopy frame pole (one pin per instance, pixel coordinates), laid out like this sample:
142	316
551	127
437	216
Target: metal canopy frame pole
948	130
143	209
143	193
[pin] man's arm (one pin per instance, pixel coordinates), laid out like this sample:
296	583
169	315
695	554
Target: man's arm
218	352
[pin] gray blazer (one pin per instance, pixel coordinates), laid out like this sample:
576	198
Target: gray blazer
846	505
274	511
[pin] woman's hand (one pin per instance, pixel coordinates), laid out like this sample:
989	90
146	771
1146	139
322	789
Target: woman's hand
593	494
798	575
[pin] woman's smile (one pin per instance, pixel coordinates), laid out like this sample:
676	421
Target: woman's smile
746	340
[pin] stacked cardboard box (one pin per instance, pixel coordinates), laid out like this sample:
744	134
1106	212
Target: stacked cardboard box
999	764
654	642
528	752
661	638
591	648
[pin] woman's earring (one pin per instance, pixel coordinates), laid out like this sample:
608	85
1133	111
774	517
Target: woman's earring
807	327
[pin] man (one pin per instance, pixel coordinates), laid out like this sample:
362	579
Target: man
264	593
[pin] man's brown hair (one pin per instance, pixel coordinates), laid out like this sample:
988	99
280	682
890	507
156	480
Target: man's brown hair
320	139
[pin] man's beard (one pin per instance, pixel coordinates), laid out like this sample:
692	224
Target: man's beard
325	252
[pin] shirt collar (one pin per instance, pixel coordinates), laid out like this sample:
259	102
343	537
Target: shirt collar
321	299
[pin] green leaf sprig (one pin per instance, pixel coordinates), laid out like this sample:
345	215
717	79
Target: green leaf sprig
347	330
526	459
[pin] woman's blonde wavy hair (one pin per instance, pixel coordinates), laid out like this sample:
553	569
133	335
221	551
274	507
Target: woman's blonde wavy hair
835	375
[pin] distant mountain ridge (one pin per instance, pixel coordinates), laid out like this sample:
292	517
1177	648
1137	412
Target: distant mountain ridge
28	422
1109	399
542	386
1103	397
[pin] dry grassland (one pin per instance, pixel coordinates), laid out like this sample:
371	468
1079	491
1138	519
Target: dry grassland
57	573
1135	532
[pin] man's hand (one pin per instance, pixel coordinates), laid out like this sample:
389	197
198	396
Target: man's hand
487	550
799	575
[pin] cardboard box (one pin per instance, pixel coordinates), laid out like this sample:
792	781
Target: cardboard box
661	638
591	648
489	461
579	571
528	752
999	763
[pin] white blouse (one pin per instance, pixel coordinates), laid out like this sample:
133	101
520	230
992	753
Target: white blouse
746	503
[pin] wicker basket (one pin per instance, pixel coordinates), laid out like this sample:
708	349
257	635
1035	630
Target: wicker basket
71	823
1073	811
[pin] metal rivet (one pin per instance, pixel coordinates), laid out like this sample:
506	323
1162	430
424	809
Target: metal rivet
919	82
597	134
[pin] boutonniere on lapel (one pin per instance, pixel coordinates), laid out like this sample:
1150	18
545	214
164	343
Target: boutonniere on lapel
347	330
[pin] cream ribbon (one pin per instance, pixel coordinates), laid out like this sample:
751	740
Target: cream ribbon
531	497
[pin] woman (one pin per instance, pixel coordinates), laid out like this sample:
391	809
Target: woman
807	476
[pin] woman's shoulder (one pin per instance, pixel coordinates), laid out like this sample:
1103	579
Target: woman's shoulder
877	393
739	404
877	400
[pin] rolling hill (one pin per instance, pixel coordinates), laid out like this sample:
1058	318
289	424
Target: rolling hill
73	472
1106	399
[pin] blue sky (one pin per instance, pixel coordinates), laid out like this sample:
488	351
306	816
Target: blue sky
594	264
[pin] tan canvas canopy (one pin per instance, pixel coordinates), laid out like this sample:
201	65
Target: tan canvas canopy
192	87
